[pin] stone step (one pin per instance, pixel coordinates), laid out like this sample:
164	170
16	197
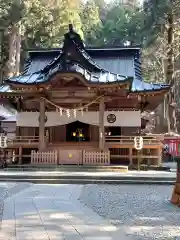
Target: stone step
88	181
88	177
68	168
81	176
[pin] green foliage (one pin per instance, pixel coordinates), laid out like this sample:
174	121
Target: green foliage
91	23
121	24
155	16
43	22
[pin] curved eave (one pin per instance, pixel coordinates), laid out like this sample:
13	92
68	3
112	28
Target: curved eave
88	59
127	82
151	92
41	78
141	87
5	88
124	84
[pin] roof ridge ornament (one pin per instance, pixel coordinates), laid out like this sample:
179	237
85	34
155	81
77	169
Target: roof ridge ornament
71	27
72	37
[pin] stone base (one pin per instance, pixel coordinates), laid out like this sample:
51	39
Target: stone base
175	199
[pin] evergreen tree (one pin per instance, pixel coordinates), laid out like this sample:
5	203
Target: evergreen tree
91	23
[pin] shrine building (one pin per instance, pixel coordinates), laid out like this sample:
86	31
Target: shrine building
78	105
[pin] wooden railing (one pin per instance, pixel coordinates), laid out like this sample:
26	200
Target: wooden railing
23	140
130	139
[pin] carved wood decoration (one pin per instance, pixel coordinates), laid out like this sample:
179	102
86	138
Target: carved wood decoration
67	79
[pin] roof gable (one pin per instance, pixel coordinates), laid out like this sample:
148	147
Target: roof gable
97	65
72	58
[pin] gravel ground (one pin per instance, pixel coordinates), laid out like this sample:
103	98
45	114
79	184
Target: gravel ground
143	211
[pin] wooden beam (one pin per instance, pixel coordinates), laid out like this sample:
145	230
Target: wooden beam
21	94
101	124
42	125
88	96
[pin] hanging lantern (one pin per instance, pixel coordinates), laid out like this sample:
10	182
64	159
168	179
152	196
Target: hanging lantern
138	143
3	142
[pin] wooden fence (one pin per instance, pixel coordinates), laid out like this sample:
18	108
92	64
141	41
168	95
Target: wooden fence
50	157
96	158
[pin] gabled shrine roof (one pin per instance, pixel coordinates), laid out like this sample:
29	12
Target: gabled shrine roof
94	64
72	58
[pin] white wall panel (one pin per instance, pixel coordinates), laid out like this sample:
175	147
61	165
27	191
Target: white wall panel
123	118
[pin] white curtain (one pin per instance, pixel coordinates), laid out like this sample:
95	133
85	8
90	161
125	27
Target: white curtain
123	118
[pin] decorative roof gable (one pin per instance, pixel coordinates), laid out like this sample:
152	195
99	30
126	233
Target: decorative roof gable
72	58
95	65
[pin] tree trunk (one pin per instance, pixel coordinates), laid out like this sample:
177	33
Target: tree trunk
14	51
18	51
1	54
171	98
171	114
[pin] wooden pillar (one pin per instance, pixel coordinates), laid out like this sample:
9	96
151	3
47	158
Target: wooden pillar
159	154
18	132
101	124
50	134
42	125
20	155
130	156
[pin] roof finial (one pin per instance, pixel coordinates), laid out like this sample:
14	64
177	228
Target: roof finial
72	35
70	27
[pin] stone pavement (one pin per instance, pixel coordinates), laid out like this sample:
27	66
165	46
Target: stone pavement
53	212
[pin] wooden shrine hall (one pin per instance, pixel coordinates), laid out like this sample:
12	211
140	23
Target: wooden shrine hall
78	105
